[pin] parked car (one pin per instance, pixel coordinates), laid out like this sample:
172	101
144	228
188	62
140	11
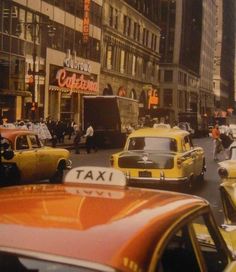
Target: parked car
32	161
94	222
160	158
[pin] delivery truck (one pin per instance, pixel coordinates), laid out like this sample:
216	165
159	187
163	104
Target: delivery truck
110	117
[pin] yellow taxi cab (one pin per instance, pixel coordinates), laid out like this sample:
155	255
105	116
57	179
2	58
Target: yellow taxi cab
32	160
94	222
227	174
227	168
160	157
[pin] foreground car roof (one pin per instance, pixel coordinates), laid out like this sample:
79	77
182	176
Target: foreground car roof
91	223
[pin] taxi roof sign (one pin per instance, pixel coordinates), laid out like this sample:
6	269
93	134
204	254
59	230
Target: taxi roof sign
95	175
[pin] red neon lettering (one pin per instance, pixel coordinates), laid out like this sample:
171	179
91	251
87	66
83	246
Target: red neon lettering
76	83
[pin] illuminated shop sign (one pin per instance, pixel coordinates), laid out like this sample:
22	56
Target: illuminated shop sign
86	21
75	82
72	62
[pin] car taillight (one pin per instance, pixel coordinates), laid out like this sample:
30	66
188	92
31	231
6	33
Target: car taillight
222	172
112	161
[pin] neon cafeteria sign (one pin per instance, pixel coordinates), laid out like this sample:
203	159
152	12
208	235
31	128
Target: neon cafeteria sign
75	83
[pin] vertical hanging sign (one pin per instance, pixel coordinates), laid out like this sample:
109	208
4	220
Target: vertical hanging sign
86	21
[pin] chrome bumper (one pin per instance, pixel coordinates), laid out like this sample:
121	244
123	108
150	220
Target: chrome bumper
68	164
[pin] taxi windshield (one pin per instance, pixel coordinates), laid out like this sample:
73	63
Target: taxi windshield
153	143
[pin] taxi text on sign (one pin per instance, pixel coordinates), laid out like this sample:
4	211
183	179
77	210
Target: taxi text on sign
95	175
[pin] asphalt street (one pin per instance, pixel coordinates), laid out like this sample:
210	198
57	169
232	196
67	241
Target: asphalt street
208	190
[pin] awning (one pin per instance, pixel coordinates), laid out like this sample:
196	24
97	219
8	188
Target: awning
6	92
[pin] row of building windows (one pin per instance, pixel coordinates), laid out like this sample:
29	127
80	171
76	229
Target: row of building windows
121	60
76	7
20	28
133	29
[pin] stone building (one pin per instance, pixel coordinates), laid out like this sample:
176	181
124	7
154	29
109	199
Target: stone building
130	50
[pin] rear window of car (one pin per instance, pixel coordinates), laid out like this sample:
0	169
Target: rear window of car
152	143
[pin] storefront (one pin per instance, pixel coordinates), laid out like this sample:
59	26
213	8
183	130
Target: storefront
66	88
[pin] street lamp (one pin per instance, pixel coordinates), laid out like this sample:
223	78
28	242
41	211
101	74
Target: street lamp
35	27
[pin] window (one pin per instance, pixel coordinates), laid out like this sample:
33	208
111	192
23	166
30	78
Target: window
35	143
168	75
109	56
168	97
21	142
123	56
69	39
111	16
127	26
96	14
70	6
152	143
134	65
6	17
144	35
181	252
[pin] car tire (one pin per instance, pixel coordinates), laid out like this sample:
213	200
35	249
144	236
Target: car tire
189	185
58	176
200	178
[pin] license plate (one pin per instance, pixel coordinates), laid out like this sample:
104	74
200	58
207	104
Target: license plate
145	174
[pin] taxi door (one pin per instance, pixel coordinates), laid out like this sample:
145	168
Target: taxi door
43	159
189	158
25	158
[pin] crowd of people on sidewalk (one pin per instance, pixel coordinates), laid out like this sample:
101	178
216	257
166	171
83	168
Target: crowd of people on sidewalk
55	132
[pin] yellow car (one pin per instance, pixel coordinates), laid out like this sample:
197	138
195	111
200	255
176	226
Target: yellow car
95	222
32	161
160	157
227	168
227	173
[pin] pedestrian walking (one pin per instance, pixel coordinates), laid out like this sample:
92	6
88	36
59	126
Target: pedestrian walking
90	139
227	139
77	140
217	145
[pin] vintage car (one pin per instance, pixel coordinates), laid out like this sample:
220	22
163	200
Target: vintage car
227	173
161	158
95	222
227	168
32	161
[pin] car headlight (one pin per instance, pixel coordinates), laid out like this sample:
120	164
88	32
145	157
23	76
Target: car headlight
222	172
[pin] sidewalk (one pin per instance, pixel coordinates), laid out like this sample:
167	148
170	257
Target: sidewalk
68	143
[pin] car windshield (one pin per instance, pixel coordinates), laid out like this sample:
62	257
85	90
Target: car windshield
13	262
152	143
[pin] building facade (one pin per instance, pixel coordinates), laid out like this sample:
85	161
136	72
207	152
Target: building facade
130	54
224	55
187	30
50	55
